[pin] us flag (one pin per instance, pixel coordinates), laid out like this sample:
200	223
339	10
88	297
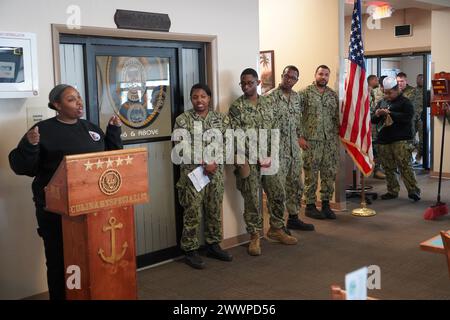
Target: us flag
355	127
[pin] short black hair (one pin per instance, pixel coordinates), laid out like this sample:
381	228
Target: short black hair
201	86
251	72
420	75
402	75
291	67
371	77
322	66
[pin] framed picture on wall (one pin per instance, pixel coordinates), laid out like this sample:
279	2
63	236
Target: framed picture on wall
267	70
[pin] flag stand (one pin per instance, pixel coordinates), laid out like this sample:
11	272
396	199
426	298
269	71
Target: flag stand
354	191
363	211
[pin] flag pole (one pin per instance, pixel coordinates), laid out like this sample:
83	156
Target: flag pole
363	211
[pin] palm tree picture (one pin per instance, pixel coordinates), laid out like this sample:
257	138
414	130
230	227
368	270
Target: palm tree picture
266	63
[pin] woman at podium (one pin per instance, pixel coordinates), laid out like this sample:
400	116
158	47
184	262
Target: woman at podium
38	155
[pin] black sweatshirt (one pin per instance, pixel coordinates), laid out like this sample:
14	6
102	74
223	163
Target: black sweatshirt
57	140
402	114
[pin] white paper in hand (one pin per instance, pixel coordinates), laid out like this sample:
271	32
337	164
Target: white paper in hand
356	284
198	178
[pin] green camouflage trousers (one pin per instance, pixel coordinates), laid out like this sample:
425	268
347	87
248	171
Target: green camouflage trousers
418	128
210	200
290	178
322	156
376	157
250	188
398	155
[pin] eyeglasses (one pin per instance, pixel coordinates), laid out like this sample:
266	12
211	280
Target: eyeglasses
287	77
249	83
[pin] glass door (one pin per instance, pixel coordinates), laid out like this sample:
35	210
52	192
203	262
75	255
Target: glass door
413	66
139	86
147	84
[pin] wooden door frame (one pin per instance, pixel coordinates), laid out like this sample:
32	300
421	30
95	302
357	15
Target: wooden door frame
210	70
210	42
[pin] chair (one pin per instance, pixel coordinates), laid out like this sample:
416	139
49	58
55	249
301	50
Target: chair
446	241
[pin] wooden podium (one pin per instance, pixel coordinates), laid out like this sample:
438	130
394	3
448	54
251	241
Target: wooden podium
95	194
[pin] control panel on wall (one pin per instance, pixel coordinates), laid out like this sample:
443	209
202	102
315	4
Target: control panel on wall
18	65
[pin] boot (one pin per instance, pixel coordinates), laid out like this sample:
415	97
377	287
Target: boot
414	196
216	252
389	196
254	248
326	210
287	231
280	236
378	174
312	212
295	223
194	260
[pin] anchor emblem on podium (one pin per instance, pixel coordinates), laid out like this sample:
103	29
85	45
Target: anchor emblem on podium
114	257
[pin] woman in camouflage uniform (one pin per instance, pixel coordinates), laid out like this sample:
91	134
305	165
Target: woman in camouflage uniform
210	197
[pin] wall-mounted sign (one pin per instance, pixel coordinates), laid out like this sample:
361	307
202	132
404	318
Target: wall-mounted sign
37	114
126	19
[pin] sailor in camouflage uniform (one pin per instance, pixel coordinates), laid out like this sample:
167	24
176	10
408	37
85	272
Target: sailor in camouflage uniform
286	104
375	95
319	140
416	97
252	111
418	116
210	197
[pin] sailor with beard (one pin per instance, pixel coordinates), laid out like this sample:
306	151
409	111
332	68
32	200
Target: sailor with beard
319	132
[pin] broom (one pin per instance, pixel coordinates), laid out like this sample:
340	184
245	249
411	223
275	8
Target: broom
440	208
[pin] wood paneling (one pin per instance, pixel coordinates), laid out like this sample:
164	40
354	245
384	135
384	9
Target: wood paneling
98	227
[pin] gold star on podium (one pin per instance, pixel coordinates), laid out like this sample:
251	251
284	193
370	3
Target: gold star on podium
88	165
119	161
129	160
109	163
99	164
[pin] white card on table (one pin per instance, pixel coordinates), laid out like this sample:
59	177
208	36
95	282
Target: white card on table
356	284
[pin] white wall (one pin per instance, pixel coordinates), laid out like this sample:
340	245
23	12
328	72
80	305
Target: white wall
22	270
307	33
304	33
382	40
440	53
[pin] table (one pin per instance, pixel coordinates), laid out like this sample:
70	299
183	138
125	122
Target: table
434	244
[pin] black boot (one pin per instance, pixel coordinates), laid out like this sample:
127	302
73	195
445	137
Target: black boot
312	212
194	260
414	196
216	252
295	223
326	210
389	196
